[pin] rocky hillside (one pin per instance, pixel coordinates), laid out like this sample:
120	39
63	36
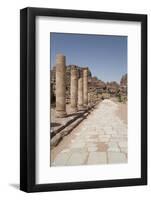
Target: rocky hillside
123	88
123	81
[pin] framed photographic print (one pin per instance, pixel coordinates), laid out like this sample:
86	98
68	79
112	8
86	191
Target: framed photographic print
83	99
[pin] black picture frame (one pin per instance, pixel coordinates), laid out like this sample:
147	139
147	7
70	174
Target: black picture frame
28	99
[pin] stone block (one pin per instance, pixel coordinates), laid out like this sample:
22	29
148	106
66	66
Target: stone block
97	158
116	157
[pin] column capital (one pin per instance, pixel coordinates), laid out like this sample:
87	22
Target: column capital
73	67
59	55
85	68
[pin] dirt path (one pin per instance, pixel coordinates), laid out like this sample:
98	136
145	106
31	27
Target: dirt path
100	139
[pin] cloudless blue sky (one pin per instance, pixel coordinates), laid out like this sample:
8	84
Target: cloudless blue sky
105	55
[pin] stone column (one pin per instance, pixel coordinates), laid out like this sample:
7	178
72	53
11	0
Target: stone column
60	86
80	93
85	86
73	89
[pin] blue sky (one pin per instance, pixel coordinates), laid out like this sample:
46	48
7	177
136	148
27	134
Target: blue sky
105	55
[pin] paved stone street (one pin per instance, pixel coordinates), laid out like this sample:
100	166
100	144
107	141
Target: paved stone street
99	139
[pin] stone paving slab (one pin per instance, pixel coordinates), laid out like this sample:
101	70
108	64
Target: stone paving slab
77	158
97	158
77	145
116	157
122	144
92	149
99	139
61	159
112	146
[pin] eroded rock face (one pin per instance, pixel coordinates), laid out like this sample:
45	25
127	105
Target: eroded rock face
123	81
112	88
123	87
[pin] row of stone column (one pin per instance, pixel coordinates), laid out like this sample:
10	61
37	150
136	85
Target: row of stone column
78	87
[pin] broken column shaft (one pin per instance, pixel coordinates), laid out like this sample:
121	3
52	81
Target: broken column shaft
60	86
80	93
74	89
85	86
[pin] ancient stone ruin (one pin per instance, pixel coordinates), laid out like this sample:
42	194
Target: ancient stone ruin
96	89
75	93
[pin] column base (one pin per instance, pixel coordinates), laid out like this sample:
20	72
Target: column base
60	114
73	110
81	107
85	106
90	105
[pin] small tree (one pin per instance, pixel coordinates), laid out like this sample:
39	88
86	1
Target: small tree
120	98
118	95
